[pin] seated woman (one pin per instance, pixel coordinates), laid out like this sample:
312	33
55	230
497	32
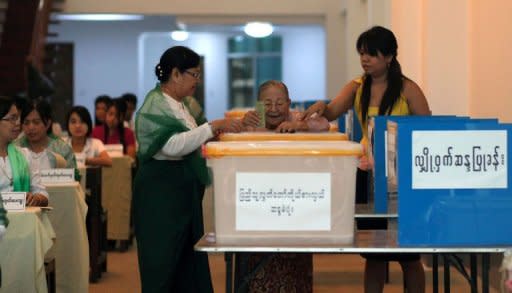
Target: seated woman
92	150
46	149
17	169
283	272
278	117
113	131
101	104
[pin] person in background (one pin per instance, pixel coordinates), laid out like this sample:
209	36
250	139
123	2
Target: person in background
18	172
113	131
131	104
274	96
382	90
101	105
170	182
91	150
45	148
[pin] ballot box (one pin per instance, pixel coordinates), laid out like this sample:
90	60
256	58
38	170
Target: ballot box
283	192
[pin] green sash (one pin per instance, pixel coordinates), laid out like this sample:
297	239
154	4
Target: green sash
20	169
155	123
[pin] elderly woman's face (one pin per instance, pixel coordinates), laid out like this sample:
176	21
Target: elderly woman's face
277	106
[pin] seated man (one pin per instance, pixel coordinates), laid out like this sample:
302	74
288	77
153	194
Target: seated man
274	96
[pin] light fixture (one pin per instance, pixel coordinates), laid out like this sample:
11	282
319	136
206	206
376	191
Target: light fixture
97	17
180	34
258	29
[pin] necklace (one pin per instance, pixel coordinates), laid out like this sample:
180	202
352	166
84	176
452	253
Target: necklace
7	176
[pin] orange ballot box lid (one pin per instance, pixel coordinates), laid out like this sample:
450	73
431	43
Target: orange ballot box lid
273	136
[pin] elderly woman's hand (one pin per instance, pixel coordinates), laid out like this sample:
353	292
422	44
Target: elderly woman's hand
292	126
317	108
36	200
251	119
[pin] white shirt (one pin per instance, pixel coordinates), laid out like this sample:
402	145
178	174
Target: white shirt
92	149
183	143
41	160
35	179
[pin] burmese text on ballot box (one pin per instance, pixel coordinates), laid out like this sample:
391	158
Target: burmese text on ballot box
283	192
453	183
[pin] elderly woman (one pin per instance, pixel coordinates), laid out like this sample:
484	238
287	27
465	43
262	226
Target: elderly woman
169	185
274	96
17	171
284	272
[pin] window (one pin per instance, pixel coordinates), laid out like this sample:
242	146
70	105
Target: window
251	62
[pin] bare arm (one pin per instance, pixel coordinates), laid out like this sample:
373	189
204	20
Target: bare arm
342	102
130	151
416	99
102	160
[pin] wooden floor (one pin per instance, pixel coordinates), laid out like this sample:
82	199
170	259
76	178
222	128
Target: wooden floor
333	273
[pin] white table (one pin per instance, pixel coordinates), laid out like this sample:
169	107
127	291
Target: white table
29	237
365	241
71	249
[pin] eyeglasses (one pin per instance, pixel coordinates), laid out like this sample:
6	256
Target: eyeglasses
13	119
196	75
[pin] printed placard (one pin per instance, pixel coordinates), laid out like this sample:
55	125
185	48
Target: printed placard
52	176
114	150
461	159
283	201
14	201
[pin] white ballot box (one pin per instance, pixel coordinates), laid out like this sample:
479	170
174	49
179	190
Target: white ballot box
283	192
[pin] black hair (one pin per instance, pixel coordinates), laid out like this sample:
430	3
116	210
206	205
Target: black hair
84	115
107	100
375	40
179	57
5	105
43	108
270	83
130	98
120	106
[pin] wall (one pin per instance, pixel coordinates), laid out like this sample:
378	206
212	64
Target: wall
117	57
326	12
212	46
491	68
105	60
304	62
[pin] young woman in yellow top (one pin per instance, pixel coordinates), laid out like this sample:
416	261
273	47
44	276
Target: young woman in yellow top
382	90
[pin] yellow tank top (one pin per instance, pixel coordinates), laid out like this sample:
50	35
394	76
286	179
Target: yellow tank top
401	108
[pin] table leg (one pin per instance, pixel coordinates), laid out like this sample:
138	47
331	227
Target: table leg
474	273
485	272
228	258
435	273
446	263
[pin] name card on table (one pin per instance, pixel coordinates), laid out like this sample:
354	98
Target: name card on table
52	176
14	201
459	159
114	150
283	201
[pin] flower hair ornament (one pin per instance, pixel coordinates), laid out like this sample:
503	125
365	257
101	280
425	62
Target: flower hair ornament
160	71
